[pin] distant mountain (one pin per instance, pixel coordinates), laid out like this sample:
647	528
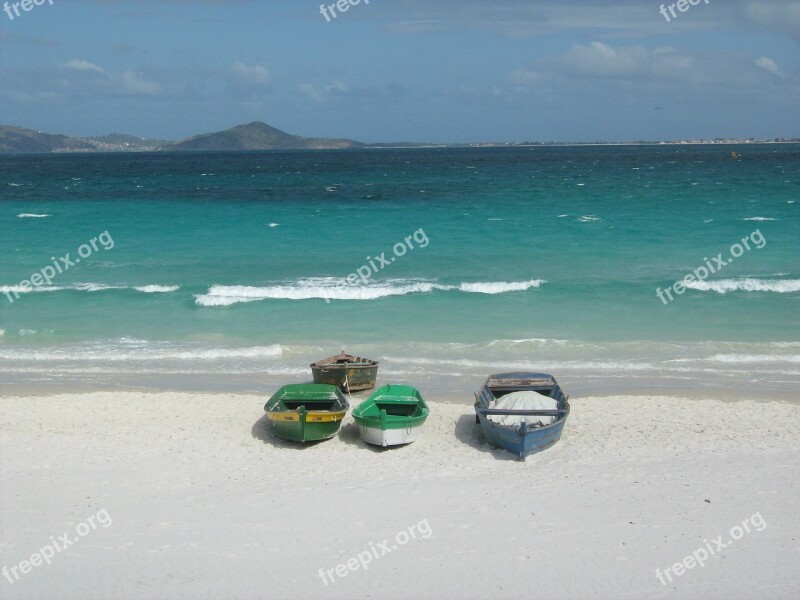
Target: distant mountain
257	136
15	140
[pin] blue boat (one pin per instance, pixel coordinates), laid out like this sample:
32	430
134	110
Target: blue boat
523	413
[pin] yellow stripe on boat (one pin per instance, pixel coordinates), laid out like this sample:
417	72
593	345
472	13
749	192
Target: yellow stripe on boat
292	416
325	417
311	417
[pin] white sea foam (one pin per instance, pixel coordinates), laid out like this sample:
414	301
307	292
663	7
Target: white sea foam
590	219
333	289
749	284
501	287
32	216
759	219
95	287
536	366
157	289
755	358
144	352
86	287
307	289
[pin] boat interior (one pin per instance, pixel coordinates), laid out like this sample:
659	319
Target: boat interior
394	409
503	389
316	405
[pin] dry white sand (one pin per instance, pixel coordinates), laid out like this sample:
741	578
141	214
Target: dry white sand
206	503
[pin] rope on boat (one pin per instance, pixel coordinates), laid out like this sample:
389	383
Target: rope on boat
347	387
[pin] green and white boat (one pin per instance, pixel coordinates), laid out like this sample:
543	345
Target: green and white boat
392	416
306	412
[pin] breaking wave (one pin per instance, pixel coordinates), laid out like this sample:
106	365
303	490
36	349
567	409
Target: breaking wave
331	288
749	284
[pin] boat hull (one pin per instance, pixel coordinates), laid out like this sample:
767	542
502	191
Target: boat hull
306	412
521	444
308	427
348	378
392	416
521	440
389	437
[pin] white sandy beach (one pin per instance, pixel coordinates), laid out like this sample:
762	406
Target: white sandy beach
203	502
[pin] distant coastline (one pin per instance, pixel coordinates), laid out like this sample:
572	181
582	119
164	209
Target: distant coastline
260	136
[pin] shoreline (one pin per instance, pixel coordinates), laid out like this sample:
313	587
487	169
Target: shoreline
455	390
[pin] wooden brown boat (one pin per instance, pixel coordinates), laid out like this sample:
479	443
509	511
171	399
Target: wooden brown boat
347	372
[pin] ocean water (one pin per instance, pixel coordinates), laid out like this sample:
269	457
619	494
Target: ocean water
220	271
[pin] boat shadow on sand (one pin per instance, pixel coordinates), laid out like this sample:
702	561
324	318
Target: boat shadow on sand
468	432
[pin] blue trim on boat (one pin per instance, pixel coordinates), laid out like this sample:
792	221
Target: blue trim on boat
521	440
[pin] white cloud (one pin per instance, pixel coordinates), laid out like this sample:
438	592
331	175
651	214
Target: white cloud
310	91
255	74
136	84
82	65
600	60
769	65
337	87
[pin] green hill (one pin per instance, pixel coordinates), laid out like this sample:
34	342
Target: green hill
257	136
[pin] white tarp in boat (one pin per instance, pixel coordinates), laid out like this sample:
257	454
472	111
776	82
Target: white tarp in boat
523	401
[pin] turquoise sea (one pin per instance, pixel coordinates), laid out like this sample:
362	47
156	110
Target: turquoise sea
228	271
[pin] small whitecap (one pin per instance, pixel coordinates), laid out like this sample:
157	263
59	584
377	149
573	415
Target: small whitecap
274	224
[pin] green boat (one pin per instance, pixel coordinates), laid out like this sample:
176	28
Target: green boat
306	412
392	416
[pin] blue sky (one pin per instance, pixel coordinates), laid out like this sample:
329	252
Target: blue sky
406	70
